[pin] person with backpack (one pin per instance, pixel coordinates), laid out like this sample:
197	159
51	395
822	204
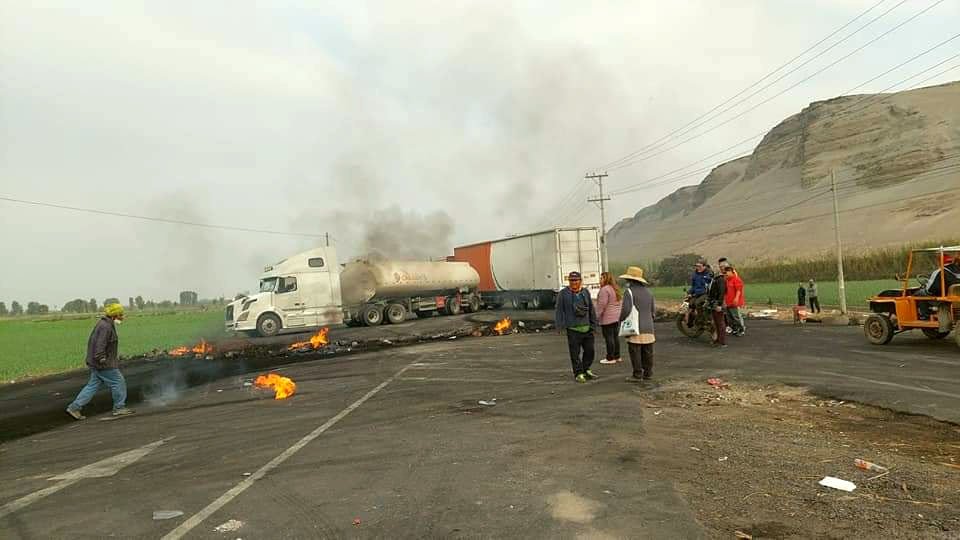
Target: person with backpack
638	297
576	316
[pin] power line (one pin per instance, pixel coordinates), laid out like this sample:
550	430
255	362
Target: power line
158	219
741	92
778	94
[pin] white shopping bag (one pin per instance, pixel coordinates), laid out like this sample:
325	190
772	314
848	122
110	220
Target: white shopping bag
631	325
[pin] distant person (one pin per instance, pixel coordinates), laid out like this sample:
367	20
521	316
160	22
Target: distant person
699	283
714	303
813	296
576	316
801	295
733	300
104	364
640	296
722	264
608	311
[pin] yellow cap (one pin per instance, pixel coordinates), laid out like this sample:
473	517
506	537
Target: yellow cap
113	310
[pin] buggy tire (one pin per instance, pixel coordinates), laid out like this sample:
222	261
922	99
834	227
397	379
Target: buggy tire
933	333
878	329
690	332
268	325
395	313
371	316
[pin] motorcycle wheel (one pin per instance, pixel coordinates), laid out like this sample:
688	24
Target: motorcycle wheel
690	332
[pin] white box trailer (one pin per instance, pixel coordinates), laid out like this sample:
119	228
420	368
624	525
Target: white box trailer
528	270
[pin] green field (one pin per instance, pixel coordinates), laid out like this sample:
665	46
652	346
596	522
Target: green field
786	293
30	347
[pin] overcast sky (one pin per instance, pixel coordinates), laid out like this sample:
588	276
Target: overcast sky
364	118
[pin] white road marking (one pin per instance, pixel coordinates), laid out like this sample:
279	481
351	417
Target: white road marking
486	381
895	385
236	490
101	469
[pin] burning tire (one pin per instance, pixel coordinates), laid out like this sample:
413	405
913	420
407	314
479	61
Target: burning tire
878	329
371	316
395	313
269	325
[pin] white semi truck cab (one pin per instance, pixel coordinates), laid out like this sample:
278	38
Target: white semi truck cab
300	291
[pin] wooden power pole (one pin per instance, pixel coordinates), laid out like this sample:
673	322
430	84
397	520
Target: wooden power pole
598	178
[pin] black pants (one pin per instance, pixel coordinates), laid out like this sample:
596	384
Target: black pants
814	304
578	341
611	337
641	356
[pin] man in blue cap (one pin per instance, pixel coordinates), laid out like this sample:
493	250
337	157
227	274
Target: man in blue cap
576	315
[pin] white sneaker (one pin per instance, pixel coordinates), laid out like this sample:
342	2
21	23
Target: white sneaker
605	361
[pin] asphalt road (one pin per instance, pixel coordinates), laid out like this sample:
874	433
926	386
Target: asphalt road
396	439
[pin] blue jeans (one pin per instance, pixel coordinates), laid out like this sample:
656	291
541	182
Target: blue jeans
110	377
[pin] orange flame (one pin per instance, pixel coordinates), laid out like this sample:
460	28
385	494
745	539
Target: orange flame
502	325
202	348
283	386
315	342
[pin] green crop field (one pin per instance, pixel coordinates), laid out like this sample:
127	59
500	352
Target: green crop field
786	293
30	347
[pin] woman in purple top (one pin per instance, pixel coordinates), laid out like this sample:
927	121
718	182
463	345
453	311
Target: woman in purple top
608	311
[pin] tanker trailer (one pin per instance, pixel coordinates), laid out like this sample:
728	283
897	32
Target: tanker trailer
377	291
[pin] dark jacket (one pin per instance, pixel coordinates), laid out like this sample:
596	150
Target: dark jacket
801	296
699	282
718	289
950	277
102	345
643	301
568	306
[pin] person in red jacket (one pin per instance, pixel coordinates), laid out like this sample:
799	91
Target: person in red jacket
733	301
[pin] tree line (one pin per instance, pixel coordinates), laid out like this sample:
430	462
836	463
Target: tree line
79	305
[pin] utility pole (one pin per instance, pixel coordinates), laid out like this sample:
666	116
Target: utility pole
598	178
836	231
327	236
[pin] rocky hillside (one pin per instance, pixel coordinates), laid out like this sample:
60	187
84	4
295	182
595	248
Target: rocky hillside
891	154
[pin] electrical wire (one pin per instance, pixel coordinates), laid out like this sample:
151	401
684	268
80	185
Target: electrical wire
741	92
159	219
778	94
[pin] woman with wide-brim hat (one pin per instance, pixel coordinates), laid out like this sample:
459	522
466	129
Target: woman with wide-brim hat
638	295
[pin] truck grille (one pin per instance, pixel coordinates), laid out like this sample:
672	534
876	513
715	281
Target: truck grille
229	313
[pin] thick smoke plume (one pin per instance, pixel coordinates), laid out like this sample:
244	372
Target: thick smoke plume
407	235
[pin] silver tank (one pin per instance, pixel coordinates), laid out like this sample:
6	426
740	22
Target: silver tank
370	281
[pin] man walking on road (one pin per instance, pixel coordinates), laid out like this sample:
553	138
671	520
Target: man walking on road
575	315
104	365
812	296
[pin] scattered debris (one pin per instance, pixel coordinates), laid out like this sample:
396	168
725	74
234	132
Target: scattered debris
356	522
657	413
229	526
724	458
695	449
247	474
160	515
742	535
717	383
386	342
763	314
951	465
868	466
219	390
521	324
837	483
488	403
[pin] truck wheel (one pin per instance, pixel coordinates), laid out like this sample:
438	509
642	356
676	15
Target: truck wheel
395	313
474	305
534	302
933	333
268	325
878	328
371	316
514	302
453	306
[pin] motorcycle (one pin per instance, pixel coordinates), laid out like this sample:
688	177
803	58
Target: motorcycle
701	319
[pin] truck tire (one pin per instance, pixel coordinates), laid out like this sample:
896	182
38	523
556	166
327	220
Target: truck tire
474	305
878	328
514	303
269	325
371	316
534	302
395	313
453	306
933	333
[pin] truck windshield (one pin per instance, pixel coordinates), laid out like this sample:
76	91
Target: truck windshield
268	285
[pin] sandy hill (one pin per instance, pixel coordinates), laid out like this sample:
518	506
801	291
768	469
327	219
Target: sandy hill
897	162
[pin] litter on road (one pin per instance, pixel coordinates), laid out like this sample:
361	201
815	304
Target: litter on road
488	403
229	526
159	515
868	466
837	483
